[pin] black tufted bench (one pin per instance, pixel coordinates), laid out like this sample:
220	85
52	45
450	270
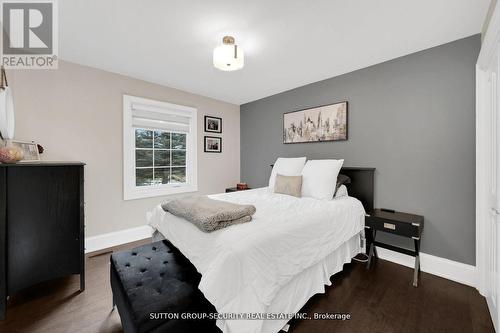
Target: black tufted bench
152	284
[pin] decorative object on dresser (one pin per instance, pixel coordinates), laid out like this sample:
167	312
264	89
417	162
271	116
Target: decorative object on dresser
29	149
317	124
41	225
397	223
10	153
40	148
213	124
213	144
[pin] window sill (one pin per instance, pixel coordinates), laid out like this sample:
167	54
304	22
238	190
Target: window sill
138	193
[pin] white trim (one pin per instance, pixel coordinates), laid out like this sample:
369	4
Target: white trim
130	191
448	269
486	112
482	151
105	241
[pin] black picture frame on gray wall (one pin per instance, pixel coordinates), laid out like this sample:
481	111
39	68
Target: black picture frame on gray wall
212	144
324	123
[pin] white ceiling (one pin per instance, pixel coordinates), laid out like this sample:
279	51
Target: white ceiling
287	43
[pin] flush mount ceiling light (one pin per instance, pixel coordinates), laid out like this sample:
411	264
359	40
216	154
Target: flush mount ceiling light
228	57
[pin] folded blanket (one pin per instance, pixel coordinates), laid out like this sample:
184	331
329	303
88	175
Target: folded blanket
209	214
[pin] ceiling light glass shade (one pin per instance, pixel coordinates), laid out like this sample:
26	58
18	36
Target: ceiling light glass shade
228	56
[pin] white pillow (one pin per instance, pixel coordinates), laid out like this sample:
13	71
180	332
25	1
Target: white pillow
341	192
286	167
319	178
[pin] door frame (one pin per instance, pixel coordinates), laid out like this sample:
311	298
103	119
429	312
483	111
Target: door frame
490	50
482	145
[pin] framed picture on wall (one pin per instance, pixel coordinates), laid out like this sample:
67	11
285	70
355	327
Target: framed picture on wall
213	144
213	124
317	124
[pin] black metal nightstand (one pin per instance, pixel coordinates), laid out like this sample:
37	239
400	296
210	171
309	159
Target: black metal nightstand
234	189
397	223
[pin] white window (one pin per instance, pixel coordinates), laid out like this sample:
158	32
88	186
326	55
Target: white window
159	148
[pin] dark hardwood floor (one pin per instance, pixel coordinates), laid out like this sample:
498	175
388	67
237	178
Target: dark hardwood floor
380	300
384	300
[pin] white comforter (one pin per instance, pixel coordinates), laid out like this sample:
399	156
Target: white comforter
245	265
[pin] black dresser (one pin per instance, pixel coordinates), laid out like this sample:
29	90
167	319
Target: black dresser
41	225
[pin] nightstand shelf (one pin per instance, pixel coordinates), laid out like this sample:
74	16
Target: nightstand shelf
397	223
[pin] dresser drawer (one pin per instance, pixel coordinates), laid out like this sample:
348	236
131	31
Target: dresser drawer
394	227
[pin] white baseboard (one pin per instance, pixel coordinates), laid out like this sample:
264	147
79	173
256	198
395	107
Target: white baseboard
104	241
448	269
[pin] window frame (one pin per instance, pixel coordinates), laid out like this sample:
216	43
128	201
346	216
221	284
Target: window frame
130	190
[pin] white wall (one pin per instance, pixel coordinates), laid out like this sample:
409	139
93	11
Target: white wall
75	112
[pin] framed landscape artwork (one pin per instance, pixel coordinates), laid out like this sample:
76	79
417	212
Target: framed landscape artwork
318	124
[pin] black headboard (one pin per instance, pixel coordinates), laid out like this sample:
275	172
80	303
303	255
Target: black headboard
362	186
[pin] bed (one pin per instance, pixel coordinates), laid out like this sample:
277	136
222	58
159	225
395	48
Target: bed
274	264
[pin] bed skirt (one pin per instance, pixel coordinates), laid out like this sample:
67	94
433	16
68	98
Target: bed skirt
295	294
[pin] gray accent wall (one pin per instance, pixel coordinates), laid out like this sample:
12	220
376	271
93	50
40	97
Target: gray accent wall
412	118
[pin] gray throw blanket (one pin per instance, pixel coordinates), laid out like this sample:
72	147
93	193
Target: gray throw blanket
209	214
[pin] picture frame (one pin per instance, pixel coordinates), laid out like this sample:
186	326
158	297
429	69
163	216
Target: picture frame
212	144
30	151
316	124
213	124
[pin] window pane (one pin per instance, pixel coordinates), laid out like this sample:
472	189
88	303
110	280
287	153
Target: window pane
162	158
143	138
144	158
178	157
178	175
144	177
162	175
178	141
162	140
